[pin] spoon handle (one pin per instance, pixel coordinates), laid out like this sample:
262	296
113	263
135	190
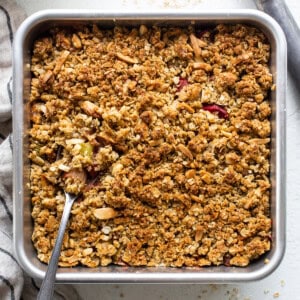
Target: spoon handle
47	287
281	13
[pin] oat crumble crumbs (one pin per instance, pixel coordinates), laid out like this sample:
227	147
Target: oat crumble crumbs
165	132
266	261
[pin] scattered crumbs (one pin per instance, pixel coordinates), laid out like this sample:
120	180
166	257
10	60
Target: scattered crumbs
266	292
166	3
199	297
178	3
282	283
233	294
204	292
121	295
116	286
276	295
213	287
266	261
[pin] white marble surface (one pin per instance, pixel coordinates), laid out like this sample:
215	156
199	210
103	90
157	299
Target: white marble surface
284	283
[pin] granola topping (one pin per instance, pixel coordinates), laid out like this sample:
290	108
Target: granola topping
164	132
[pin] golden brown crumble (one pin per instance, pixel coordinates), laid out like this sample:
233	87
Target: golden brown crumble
165	132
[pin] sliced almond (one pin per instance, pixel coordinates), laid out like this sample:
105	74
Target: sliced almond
91	109
60	61
198	235
87	251
205	176
202	66
185	151
46	76
76	41
64	168
201	43
196	46
105	213
185	106
126	58
259	141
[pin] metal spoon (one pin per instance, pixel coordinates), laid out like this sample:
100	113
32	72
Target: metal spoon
47	287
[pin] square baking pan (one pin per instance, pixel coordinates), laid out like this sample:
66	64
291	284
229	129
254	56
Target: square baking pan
39	23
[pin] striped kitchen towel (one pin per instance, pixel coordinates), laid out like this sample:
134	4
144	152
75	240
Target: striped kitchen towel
14	284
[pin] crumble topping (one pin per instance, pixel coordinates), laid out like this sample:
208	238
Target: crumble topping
164	132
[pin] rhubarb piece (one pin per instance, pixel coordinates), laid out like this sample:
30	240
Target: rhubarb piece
215	108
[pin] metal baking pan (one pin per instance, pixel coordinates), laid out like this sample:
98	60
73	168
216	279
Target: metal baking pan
23	247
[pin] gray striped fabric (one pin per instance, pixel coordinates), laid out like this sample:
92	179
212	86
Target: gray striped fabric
14	284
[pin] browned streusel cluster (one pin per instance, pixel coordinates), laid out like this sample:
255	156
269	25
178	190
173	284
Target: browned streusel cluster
164	132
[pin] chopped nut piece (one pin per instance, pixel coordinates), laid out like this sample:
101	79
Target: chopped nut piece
38	111
106	229
91	109
143	29
64	168
147	116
